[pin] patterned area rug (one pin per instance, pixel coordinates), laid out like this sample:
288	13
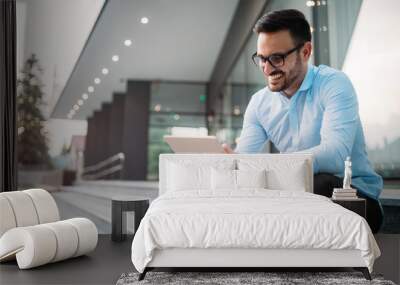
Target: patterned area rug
230	278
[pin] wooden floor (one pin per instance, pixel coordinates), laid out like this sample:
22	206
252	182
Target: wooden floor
103	266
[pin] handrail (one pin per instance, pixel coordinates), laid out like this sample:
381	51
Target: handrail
99	167
104	172
101	164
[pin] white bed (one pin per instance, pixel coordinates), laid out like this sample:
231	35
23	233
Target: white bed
203	220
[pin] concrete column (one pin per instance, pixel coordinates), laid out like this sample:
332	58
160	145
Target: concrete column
135	129
116	123
96	147
88	156
246	15
105	130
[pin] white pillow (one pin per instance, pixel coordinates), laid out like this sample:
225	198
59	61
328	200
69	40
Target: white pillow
292	178
225	179
193	175
287	174
251	178
183	177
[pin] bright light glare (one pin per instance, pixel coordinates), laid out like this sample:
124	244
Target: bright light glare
128	43
115	58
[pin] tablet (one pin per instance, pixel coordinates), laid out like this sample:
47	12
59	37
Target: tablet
204	144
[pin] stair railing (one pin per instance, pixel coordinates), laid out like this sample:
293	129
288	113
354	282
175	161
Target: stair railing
107	168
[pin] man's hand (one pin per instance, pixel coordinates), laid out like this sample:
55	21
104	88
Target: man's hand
227	149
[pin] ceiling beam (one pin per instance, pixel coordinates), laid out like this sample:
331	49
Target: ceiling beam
246	14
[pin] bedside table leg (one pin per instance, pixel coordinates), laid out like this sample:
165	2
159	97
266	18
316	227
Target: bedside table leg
116	221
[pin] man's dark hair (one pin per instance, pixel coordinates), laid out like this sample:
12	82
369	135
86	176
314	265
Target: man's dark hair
291	20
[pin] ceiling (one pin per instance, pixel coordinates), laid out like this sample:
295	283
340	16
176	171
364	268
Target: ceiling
180	42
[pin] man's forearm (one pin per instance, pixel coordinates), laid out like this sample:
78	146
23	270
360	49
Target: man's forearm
328	158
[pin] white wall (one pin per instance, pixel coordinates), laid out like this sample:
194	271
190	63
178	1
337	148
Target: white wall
373	62
56	31
61	131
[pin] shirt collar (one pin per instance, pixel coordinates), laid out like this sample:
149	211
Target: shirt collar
306	84
308	79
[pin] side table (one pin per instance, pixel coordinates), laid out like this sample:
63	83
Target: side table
357	205
121	204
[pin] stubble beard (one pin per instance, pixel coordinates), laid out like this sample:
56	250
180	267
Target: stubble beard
289	78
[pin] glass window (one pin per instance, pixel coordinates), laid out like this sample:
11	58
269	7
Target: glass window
342	17
192	97
371	60
176	108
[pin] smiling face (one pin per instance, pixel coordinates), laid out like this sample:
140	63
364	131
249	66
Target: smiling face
286	78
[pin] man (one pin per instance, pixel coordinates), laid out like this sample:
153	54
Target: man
305	108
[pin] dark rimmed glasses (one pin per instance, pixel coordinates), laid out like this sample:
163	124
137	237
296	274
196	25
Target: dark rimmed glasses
276	59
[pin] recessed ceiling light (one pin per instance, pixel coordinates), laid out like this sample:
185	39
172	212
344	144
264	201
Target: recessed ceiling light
97	80
310	3
144	20
90	89
70	116
128	43
76	107
177	117
85	96
115	58
80	102
104	71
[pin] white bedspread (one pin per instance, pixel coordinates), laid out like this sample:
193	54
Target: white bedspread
250	219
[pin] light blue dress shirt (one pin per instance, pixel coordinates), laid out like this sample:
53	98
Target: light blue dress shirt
321	118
